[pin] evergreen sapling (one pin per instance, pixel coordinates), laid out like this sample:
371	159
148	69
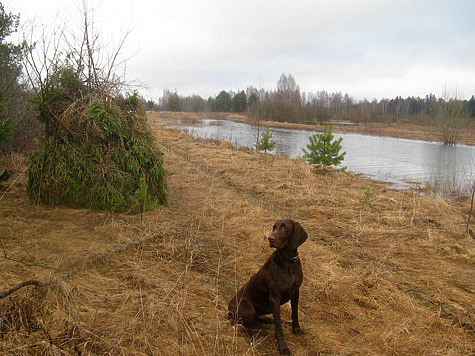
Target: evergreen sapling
266	143
323	150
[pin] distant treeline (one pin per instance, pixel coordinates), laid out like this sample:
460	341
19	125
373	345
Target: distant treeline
287	103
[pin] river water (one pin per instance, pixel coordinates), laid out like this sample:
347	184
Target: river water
399	161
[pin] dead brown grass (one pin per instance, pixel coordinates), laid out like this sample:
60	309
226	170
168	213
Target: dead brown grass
389	276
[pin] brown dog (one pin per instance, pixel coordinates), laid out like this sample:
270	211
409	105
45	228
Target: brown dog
277	282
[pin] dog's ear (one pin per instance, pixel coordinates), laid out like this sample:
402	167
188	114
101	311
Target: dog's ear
299	236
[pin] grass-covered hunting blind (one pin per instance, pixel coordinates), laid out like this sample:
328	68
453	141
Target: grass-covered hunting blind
98	151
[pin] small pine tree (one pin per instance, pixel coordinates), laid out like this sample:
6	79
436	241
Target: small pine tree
323	150
266	143
6	127
6	132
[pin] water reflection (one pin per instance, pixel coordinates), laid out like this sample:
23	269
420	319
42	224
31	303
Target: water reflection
383	158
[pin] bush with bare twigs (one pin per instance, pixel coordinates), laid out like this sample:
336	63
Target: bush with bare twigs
98	151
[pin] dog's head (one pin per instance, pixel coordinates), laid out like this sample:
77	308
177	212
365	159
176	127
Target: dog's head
287	233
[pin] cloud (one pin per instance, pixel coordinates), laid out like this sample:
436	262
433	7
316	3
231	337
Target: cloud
366	48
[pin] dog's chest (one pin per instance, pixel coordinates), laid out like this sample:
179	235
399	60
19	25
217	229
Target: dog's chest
289	280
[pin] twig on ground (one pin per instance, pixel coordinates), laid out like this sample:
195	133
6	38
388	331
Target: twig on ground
32	282
11	184
29	264
5	256
471	208
87	262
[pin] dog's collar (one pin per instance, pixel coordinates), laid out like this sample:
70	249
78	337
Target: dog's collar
294	259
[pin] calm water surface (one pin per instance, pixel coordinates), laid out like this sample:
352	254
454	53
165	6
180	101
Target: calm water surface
395	160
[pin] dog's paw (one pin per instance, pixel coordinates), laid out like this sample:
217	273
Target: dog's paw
284	350
297	330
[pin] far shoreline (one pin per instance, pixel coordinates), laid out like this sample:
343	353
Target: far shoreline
397	130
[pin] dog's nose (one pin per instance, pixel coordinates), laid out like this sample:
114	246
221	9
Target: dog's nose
271	240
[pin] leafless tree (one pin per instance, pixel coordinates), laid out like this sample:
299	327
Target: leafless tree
78	47
336	103
287	90
255	113
256	118
450	113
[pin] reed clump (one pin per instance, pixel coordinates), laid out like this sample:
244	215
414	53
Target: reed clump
98	151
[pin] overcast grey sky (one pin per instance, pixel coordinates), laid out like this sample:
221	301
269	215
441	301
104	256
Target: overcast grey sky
371	49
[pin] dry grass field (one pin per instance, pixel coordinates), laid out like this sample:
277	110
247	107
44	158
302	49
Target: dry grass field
386	273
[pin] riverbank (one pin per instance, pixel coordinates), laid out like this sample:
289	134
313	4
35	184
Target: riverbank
399	130
403	163
385	271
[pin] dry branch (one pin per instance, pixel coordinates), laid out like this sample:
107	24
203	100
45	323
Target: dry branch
471	208
88	262
32	282
101	256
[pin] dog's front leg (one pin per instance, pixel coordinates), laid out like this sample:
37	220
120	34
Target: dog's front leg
279	334
294	301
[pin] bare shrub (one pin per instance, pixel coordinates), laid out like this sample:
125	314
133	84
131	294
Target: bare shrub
450	113
98	151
